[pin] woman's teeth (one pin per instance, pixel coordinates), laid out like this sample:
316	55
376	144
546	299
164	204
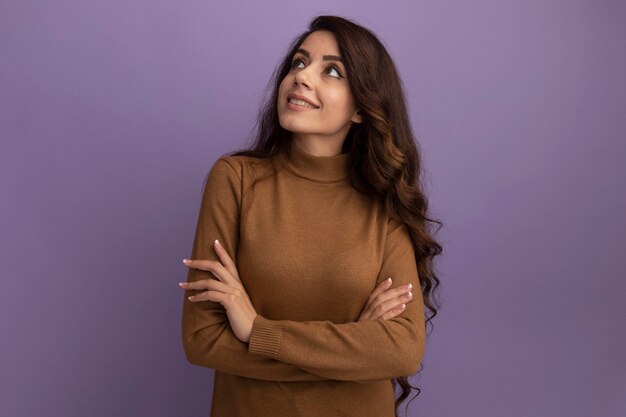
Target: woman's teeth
301	103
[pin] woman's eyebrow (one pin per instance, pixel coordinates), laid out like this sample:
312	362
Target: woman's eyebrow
325	57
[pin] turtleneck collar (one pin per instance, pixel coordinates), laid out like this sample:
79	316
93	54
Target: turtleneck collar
318	168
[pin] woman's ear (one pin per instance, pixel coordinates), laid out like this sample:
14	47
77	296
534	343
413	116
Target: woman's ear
357	117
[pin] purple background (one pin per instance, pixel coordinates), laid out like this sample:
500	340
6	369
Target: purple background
112	113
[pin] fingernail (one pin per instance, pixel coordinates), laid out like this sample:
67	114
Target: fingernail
409	294
182	284
409	286
403	306
185	261
190	297
389	279
217	242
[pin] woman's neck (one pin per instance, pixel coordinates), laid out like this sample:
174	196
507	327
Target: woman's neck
318	146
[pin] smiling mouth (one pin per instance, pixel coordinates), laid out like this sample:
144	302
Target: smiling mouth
301	103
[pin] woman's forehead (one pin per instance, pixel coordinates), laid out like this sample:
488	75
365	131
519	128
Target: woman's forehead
321	42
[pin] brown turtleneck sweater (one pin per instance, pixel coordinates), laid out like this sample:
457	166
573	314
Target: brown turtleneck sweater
309	250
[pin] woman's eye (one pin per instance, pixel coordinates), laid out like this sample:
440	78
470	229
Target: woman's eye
299	63
336	71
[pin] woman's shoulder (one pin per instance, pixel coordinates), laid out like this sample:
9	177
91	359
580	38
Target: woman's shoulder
246	166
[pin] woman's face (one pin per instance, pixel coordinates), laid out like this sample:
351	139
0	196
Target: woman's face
317	76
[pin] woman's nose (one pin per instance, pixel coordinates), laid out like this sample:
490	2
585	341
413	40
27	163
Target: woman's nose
302	78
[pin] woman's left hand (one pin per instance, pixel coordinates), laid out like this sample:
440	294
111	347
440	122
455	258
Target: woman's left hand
226	290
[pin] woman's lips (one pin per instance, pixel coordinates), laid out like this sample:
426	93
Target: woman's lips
299	105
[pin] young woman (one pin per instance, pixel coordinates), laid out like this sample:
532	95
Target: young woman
310	244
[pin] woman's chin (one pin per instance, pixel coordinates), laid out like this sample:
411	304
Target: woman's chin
293	127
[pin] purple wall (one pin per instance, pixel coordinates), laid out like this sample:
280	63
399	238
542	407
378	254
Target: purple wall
112	112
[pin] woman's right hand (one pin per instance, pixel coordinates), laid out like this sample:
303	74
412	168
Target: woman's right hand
385	302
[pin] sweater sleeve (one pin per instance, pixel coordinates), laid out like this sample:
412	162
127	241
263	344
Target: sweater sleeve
208	339
355	351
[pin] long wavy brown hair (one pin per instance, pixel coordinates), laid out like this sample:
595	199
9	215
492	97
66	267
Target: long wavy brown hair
384	158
